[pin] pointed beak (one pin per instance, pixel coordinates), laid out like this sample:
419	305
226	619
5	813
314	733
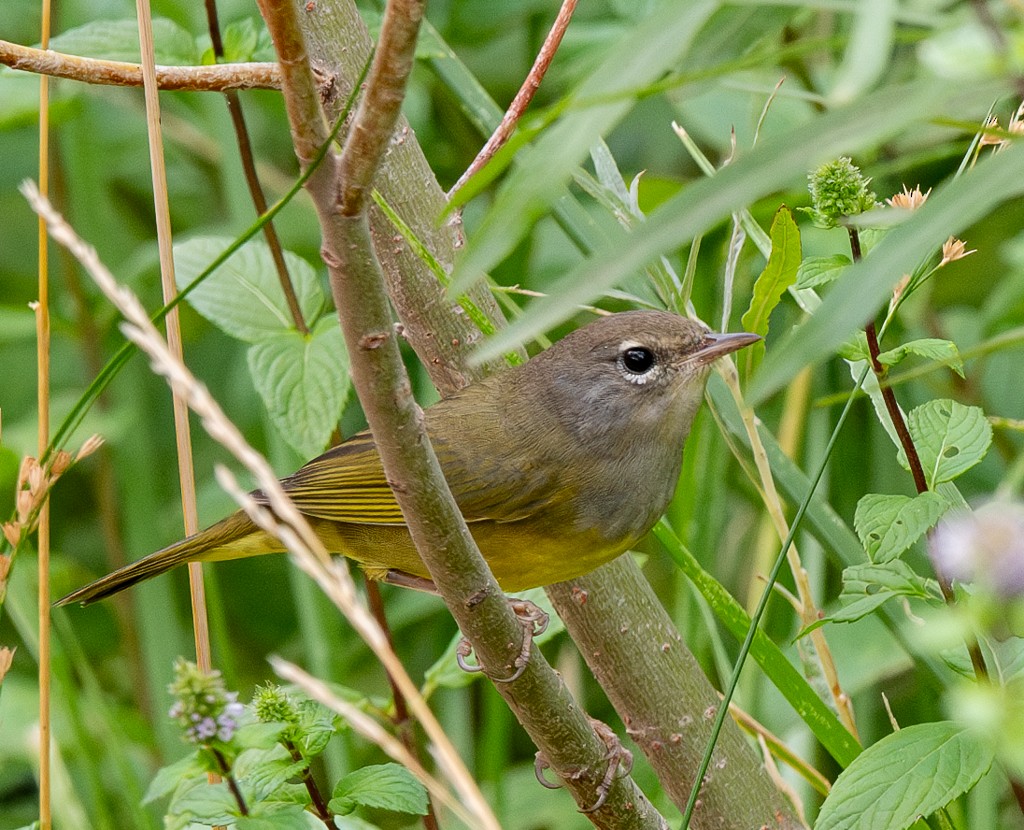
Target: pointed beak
716	345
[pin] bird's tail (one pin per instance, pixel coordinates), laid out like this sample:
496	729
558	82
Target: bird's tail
213	543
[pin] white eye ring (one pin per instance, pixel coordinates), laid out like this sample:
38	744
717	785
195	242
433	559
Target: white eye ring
637	362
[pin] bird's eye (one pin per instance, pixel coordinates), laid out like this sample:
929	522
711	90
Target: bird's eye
638	359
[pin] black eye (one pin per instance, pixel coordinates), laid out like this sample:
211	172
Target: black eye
638	359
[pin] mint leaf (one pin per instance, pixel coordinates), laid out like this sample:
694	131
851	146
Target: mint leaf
950	439
867	587
905	775
243	297
384	786
932	348
303	382
887	525
168	778
821	270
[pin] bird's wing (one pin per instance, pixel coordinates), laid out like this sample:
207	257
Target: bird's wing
347	483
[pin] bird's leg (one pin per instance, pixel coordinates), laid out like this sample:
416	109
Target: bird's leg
407	580
618	758
534	622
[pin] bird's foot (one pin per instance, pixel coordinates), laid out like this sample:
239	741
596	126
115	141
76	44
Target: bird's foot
618	758
620	762
534	622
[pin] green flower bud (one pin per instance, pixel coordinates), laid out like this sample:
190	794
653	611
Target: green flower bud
838	189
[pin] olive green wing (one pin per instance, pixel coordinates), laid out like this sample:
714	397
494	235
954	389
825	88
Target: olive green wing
345	484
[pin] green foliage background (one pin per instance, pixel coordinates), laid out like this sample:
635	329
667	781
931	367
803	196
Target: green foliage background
113	660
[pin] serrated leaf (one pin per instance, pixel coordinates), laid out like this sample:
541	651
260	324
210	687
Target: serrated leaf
243	297
907	774
168	778
118	40
887	525
384	786
207	803
856	348
265	771
867	587
317	725
779	274
932	348
303	382
950	439
353	823
258	735
821	270
270	816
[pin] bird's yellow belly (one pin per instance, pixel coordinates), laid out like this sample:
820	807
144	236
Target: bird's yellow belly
519	558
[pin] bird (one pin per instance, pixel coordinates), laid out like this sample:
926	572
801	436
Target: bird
558	465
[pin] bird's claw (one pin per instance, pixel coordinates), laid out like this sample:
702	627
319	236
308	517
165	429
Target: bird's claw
620	762
534	622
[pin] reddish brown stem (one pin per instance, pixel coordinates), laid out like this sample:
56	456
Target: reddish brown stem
402	721
913	459
307	780
251	178
525	94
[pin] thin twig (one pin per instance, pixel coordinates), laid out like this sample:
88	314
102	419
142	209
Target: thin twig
402	722
216	78
252	180
524	96
225	771
315	796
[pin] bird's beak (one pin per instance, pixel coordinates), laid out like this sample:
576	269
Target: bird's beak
716	345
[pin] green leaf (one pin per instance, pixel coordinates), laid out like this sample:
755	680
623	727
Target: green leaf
950	439
258	735
244	297
266	771
932	348
821	270
887	525
867	284
168	778
353	823
198	800
303	382
907	774
270	816
317	725
856	348
118	40
778	275
241	40
384	786
867	587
